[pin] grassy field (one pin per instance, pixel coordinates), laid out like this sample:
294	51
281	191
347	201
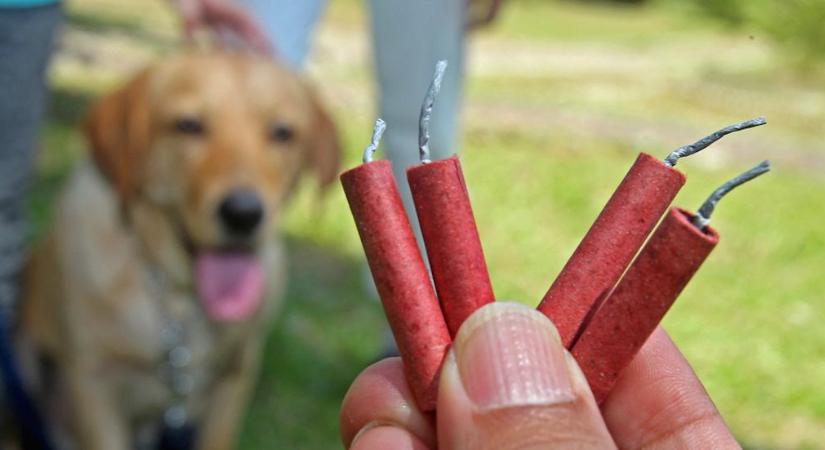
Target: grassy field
559	100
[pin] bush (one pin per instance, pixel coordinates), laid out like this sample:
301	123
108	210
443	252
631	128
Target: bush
634	2
730	11
797	25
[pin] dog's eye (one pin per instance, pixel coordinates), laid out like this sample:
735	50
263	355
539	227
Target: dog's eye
281	133
190	126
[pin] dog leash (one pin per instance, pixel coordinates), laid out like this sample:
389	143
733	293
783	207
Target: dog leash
34	435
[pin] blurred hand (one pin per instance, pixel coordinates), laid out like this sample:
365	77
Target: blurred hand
507	383
223	18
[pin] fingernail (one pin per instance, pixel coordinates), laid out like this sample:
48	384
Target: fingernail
509	355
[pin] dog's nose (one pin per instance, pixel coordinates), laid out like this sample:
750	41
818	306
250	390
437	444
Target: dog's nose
241	211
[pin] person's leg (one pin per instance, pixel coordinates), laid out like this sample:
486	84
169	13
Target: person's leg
288	24
26	37
409	37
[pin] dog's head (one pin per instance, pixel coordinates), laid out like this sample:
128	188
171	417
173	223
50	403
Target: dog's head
214	143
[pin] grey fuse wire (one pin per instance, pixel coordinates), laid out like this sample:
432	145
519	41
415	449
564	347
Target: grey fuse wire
372	147
701	144
427	112
702	217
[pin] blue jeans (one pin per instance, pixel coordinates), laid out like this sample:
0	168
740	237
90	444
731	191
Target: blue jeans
26	39
26	36
408	37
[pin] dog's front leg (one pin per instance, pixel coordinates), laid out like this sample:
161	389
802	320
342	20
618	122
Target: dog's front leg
95	418
227	405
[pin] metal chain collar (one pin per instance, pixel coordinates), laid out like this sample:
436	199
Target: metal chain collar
175	370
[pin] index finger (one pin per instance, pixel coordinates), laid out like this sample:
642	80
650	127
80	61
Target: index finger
380	396
658	402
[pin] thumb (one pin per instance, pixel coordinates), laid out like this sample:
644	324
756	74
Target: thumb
508	383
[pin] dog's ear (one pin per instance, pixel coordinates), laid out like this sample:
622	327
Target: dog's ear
324	155
117	128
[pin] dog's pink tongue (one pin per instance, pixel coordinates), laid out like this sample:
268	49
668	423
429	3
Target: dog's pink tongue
230	285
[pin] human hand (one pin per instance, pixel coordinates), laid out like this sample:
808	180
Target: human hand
507	383
224	19
481	13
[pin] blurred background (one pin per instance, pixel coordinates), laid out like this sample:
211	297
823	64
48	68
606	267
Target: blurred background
561	96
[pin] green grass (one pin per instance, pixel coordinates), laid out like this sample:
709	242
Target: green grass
561	98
